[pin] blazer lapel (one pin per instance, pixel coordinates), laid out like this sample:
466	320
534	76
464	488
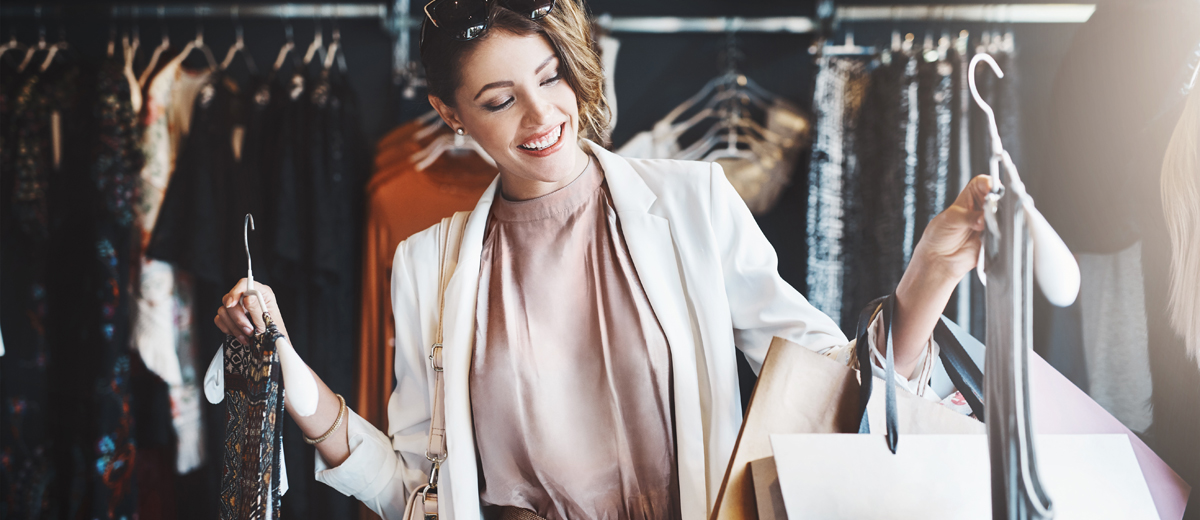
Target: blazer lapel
652	248
459	332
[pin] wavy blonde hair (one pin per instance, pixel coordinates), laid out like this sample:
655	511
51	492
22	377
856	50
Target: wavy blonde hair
1181	207
569	33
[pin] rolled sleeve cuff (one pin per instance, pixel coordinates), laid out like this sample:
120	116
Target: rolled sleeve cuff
918	384
369	468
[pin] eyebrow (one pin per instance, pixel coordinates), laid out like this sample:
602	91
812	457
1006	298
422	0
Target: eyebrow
506	83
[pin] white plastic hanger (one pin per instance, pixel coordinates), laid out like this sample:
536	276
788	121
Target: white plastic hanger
448	143
1054	267
297	378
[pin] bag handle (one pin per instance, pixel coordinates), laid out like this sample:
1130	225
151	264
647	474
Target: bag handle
450	242
966	376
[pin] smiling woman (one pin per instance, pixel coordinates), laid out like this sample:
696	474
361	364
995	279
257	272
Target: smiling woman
587	368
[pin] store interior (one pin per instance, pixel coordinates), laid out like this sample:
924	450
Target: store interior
855	126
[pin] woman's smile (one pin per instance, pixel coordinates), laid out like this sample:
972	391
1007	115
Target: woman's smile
544	143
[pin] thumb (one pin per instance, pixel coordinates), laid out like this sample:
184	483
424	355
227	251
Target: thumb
252	302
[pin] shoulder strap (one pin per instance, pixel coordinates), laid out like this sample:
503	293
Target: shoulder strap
449	242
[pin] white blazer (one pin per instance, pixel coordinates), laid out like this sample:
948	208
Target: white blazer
710	276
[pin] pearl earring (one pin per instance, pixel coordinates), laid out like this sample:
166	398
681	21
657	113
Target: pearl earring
460	131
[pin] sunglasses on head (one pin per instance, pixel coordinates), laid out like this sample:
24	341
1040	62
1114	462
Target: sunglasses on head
468	19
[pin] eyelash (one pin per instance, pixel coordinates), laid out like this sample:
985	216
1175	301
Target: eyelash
509	101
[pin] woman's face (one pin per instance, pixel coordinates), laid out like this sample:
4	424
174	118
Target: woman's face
516	105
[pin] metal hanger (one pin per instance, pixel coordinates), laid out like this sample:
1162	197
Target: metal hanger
301	387
239	45
1054	266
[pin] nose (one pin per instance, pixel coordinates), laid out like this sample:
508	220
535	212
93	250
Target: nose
539	113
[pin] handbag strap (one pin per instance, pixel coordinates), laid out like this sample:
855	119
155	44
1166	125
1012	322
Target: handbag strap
966	376
450	242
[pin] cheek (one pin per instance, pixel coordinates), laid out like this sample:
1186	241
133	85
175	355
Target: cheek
566	100
494	131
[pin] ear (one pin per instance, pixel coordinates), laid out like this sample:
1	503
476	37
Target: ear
449	115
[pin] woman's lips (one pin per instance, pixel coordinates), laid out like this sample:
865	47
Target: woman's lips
550	142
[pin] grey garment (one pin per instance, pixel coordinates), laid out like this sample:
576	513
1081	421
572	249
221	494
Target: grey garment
1115	337
571	376
838	96
1017	492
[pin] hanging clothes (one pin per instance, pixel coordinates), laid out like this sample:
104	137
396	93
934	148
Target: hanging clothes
401	201
836	100
337	166
115	174
876	251
28	463
163	321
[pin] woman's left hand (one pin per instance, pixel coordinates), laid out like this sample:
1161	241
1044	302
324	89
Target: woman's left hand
948	250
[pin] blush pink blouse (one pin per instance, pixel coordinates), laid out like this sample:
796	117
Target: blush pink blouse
571	376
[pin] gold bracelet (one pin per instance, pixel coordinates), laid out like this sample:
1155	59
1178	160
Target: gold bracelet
336	423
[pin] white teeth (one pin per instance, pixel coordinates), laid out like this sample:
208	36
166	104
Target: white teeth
545	142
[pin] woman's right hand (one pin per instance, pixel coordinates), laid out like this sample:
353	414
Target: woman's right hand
240	316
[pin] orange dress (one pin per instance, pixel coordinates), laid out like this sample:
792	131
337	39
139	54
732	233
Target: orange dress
400	202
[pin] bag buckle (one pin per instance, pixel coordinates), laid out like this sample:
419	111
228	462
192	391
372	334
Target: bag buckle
435	357
434	473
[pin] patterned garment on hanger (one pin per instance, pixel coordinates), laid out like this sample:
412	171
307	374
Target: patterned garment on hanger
836	101
115	172
252	471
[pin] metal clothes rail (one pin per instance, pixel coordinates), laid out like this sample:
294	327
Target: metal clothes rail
399	20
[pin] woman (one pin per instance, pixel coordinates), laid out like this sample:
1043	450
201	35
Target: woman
591	322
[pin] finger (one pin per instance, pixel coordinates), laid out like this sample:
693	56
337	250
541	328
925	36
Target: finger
980	187
220	322
972	196
232	326
254	307
235	294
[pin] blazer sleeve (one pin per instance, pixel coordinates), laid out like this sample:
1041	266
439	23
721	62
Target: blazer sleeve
763	305
383	469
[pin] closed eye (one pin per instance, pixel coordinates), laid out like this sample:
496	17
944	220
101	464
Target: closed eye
496	107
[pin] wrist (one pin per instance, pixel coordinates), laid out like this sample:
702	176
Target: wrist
927	279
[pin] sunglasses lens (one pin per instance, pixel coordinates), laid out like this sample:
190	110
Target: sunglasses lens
465	19
534	9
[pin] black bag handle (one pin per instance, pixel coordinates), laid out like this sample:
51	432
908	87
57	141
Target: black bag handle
966	376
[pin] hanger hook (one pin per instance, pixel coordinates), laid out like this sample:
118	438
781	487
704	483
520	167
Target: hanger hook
199	29
247	225
987	109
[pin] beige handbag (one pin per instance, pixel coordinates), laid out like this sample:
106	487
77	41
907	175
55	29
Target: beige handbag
423	502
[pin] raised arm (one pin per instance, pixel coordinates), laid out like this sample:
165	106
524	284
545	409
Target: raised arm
947	251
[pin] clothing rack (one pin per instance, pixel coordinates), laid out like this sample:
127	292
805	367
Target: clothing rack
398	19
